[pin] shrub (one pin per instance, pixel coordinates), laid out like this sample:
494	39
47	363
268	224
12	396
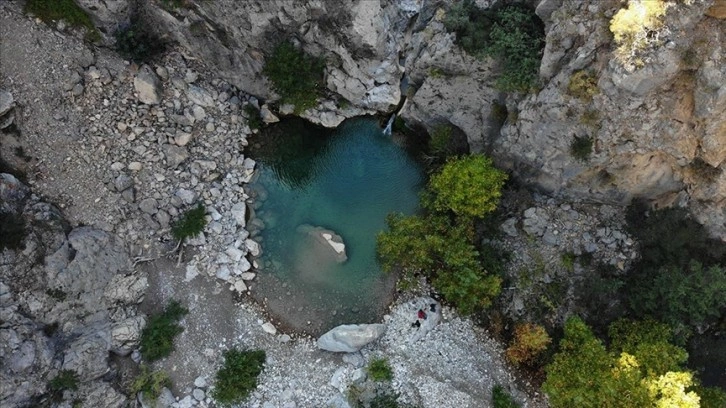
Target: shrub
65	380
581	148
13	231
440	143
150	383
66	10
583	85
469	186
530	340
568	261
135	42
513	35
633	27
295	75
501	399
157	338
380	370
190	224
238	376
254	120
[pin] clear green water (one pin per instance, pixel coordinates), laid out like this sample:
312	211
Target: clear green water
346	182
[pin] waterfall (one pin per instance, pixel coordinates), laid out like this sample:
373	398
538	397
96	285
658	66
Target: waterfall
389	126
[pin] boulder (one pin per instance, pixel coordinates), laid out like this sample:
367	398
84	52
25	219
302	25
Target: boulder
267	115
325	242
175	155
349	338
200	96
88	355
125	335
147	86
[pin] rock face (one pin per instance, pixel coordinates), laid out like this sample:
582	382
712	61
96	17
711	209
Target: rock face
652	127
7	103
350	338
67	299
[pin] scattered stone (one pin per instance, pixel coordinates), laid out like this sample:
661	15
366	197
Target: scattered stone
239	286
135	166
239	211
187	196
182	138
147	86
7	102
269	328
200	382
252	247
77	90
175	155
198	394
149	206
200	96
248	276
267	115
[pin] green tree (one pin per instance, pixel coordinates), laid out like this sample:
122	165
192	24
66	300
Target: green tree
641	369
295	75
684	297
469	186
440	244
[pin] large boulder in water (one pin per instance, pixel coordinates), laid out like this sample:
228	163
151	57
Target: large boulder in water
349	338
325	243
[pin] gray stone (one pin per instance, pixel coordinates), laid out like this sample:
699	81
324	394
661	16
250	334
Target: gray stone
88	355
269	328
163	218
122	182
252	247
198	113
187	196
350	338
182	138
239	211
338	401
354	359
147	86
7	102
149	206
200	382
267	115
125	335
200	96
175	155
77	90
198	394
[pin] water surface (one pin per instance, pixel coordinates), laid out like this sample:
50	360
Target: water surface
346	182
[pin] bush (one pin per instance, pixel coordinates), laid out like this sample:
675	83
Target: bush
65	380
469	186
440	143
583	85
66	10
380	370
633	26
13	231
530	340
296	76
238	376
190	224
135	42
501	399
150	383
157	338
254	120
513	35
581	148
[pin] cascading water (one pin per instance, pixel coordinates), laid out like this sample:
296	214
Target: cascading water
389	126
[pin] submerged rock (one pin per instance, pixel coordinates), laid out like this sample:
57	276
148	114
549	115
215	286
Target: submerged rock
326	243
349	338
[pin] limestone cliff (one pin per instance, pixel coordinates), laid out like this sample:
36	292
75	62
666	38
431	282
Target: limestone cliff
658	131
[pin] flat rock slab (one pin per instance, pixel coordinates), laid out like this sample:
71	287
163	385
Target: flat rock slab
349	338
328	244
